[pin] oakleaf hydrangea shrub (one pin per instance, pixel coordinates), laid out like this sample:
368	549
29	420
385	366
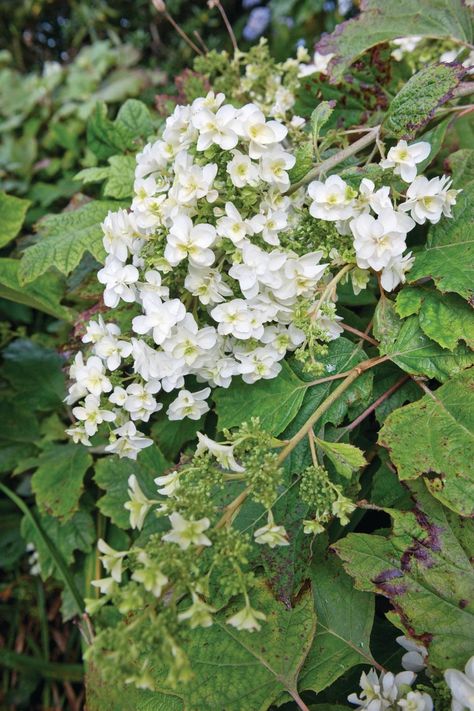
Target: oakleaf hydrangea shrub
226	288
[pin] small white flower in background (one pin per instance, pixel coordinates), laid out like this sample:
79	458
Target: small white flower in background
319	64
414	659
186	240
404	158
199	613
169	483
246	619
92	415
242	170
150	576
332	200
368	197
461	686
188	404
312	527
138	504
119	280
342	508
395	272
416	701
128	442
186	533
105	585
271	534
224	453
78	435
232	225
379	693
405	45
429	199
90	377
111	559
377	240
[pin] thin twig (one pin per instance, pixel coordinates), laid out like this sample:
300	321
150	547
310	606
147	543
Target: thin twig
228	26
337	158
376	404
361	334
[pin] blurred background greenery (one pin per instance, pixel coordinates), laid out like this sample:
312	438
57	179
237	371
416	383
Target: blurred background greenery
58	58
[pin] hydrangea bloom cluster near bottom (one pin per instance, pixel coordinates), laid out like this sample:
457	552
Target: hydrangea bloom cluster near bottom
213	257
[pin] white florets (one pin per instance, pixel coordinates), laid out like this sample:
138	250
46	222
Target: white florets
201	255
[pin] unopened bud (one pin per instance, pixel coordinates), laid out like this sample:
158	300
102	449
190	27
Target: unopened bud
159	5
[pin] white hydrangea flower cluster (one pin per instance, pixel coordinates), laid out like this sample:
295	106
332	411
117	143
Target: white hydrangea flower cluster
379	226
203	258
199	254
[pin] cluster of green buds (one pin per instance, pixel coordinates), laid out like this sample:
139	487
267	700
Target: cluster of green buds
325	498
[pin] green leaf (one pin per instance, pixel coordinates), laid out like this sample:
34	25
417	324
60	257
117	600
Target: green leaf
64	238
446	319
12	215
319	118
120	178
92	175
58	480
107	138
407	346
36	374
416	102
135	116
381	21
112	475
242	671
18	423
462	166
304	162
435	436
44	294
448	257
105	696
423	568
275	402
345	457
77	534
344	622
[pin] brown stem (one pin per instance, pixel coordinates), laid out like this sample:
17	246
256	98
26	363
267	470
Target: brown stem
464	89
181	32
356	332
337	158
375	404
298	700
228	26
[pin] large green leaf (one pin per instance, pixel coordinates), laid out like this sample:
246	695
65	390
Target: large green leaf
77	534
407	346
64	238
417	100
344	622
43	294
242	671
381	21
435	436
445	318
423	567
112	475
36	374
120	178
462	166
448	257
275	402
12	214
107	138
58	480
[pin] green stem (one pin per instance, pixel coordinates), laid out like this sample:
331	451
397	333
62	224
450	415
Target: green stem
55	554
332	397
337	158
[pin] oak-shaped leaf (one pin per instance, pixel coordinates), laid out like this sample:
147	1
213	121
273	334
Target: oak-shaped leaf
423	567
